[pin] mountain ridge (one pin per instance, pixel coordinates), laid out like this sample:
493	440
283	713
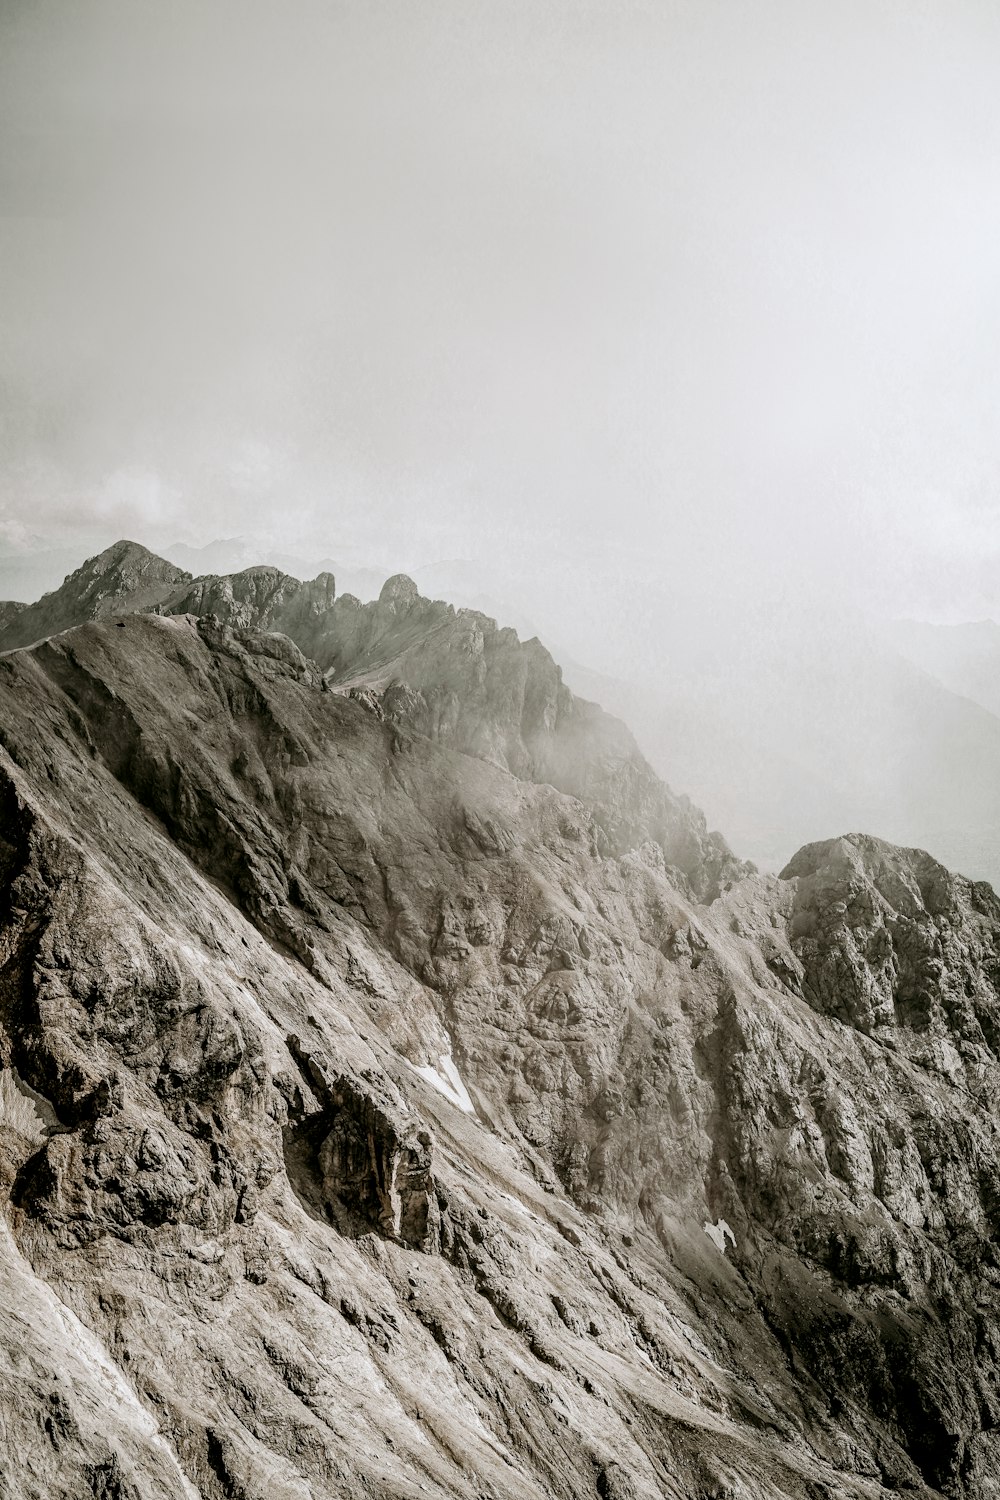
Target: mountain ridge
466	680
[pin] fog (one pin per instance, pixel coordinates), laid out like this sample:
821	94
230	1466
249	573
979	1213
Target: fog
673	329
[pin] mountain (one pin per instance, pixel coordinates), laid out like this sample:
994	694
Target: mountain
32	567
379	1117
966	658
9	610
783	722
124	577
454	676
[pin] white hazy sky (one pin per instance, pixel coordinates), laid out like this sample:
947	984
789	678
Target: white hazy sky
707	291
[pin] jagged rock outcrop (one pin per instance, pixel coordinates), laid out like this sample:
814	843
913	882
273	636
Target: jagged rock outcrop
179	807
369	1160
9	611
371	1122
453	675
262	599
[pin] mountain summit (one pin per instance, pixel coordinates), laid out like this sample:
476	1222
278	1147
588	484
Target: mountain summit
123	578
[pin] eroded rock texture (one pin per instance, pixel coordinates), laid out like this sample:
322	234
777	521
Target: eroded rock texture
395	1107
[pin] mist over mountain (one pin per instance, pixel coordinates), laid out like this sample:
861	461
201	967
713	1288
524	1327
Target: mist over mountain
786	723
964	657
854	734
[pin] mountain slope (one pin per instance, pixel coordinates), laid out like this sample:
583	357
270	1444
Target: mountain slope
124	577
965	658
205	1187
369	1126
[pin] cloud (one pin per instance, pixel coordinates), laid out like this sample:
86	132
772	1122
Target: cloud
692	283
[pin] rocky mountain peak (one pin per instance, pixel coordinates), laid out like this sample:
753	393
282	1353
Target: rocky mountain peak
125	554
120	573
859	868
399	592
122	578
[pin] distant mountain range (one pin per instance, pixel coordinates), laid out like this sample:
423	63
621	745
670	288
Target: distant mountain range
36	568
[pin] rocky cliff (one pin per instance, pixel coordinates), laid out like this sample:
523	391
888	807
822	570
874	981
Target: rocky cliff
380	1114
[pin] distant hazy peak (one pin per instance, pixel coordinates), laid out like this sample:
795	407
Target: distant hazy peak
125	577
127	553
399	591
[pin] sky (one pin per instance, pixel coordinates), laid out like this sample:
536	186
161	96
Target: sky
701	297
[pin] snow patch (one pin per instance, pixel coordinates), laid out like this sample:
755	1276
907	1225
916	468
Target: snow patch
447	1080
718	1233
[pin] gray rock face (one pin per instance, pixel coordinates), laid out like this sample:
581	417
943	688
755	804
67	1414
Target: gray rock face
382	1118
260	599
9	611
370	1159
455	677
